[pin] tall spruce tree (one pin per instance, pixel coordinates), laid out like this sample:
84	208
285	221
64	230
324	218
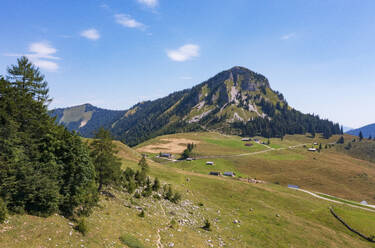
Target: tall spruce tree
44	168
103	154
28	79
360	136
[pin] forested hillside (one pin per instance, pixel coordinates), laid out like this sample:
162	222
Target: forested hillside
235	101
86	119
367	131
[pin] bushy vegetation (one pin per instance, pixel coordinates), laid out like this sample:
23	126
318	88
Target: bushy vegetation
207	225
131	241
3	211
188	151
82	226
44	168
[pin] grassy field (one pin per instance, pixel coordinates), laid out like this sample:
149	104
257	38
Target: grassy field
329	171
267	215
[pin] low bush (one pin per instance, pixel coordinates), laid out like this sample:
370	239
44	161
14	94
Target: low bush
207	225
82	227
131	241
3	211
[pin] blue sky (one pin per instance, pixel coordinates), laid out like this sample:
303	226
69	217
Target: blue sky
319	54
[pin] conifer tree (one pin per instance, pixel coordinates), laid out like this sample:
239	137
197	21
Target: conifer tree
27	78
143	163
107	165
360	136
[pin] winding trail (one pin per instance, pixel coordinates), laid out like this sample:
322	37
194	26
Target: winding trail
334	201
158	241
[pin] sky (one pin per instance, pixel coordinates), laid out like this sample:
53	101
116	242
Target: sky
113	54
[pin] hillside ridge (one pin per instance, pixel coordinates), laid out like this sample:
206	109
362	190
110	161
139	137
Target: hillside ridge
235	101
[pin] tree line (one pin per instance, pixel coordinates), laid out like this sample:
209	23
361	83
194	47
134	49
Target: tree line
46	169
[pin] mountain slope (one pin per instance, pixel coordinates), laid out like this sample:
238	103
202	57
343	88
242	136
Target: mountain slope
227	102
236	101
367	131
241	215
85	119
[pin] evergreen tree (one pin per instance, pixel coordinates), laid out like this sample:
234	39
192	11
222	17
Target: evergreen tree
27	78
156	185
143	164
44	168
103	154
341	140
360	136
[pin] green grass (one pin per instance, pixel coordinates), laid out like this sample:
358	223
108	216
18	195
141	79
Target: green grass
281	155
344	201
270	215
199	166
131	241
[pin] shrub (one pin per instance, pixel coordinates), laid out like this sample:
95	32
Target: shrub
82	226
156	185
207	225
157	197
176	198
3	211
131	241
173	224
137	195
142	214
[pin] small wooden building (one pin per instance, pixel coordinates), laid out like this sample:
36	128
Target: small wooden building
215	173
229	174
165	155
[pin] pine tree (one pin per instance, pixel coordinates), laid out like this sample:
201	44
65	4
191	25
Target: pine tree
103	154
156	185
143	163
27	78
341	140
360	136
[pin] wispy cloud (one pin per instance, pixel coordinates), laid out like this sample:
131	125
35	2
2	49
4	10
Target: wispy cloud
91	34
41	54
149	3
184	52
129	22
288	36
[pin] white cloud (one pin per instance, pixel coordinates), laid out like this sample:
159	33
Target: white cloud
288	36
41	54
149	3
184	52
91	34
128	21
46	64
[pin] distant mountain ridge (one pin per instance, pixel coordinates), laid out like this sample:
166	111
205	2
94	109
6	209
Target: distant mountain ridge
235	101
368	130
85	119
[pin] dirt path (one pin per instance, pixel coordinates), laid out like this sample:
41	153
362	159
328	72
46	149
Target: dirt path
158	241
338	202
